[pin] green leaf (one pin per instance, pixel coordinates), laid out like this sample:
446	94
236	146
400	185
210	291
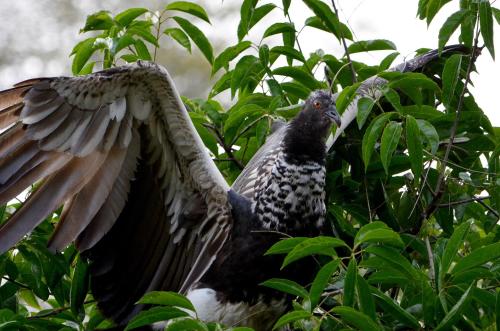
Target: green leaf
166	299
350	283
346	97
414	145
300	75
127	16
121	43
240	119
371	45
377	232
153	315
478	257
394	258
285	245
451	250
393	98
291	317
98	21
278	28
317	23
432	7
190	8
496	14
365	106
371	136
289	52
129	58
312	246
229	54
87	69
394	309
389	143
264	56
244	70
246	12
79	286
451	76
321	281
430	134
356	319
456	311
253	16
144	33
287	286
197	37
365	298
179	36
451	24
82	55
286	5
387	61
183	324
142	50
328	18
486	24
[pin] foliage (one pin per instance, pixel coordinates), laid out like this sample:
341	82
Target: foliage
413	188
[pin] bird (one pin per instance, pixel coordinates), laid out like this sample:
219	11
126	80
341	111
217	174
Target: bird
144	202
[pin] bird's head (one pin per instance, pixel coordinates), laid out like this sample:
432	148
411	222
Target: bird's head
319	112
309	130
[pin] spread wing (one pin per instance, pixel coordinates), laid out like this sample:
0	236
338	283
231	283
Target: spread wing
142	197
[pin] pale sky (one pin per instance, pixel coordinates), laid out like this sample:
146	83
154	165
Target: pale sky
34	27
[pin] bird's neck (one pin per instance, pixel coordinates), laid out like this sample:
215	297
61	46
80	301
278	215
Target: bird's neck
304	141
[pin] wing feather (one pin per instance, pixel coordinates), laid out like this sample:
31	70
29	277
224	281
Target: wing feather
118	149
87	202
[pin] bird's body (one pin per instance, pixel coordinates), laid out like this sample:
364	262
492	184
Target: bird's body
144	201
289	200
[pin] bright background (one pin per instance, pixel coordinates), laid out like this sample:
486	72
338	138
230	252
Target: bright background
36	37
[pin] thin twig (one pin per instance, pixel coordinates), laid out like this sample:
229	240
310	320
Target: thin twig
432	272
227	149
461	202
493	211
298	43
8	279
344	44
56	311
368	200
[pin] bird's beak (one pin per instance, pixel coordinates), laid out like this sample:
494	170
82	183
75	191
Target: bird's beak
332	114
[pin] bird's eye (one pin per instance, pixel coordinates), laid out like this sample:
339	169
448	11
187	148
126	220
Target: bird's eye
317	105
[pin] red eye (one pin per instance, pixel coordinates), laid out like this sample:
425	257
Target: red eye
317	105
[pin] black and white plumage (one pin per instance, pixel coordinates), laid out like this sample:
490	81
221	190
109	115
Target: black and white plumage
144	201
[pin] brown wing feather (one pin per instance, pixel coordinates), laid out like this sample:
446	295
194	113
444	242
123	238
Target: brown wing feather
87	202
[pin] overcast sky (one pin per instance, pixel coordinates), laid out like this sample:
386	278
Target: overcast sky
36	36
